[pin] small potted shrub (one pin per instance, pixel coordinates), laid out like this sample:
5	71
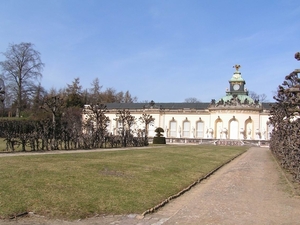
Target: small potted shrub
159	139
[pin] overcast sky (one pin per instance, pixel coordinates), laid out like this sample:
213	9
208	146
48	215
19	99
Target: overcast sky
161	50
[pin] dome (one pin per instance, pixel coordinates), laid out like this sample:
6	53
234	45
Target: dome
237	94
237	76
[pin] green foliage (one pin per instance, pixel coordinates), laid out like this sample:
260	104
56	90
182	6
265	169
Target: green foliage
74	100
159	140
159	132
74	96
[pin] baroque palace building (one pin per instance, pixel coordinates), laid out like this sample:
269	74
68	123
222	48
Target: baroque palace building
236	116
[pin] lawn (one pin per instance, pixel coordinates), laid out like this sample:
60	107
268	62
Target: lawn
3	146
80	185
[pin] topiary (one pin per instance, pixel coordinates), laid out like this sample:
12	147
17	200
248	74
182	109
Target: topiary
159	132
159	139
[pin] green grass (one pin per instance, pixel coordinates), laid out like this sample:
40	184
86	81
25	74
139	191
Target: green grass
18	148
2	145
80	185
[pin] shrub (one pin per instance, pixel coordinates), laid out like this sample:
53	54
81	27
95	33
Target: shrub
158	131
159	139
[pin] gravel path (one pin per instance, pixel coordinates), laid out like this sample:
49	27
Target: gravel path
249	190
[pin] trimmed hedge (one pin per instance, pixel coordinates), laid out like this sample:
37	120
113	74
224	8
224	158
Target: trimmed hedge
159	140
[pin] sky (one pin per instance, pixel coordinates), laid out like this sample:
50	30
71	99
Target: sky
160	50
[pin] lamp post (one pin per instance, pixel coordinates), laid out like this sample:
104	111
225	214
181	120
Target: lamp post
2	95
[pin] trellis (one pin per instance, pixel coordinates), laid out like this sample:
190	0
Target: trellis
285	118
67	132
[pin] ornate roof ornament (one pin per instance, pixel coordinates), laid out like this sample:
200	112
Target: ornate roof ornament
297	56
235	101
237	67
237	74
237	97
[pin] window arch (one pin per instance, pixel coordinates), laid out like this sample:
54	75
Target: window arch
200	129
186	128
173	127
218	127
249	128
151	130
233	129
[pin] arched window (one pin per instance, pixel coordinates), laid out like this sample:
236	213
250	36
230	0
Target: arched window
233	129
200	129
218	128
249	128
186	129
151	130
173	128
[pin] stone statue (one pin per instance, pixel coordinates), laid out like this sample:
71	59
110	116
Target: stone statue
221	102
224	133
242	136
264	134
209	133
257	134
249	133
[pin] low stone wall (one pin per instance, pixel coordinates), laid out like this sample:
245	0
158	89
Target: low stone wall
261	143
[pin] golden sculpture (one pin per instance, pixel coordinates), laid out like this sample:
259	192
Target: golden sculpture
237	66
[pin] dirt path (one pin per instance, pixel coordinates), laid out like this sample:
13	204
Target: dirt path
249	190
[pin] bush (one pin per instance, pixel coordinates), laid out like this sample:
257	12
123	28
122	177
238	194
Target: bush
158	131
159	140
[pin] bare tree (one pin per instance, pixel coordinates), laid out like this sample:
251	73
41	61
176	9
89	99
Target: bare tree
128	98
22	67
95	92
54	104
263	98
126	120
109	95
259	97
147	120
95	116
285	120
192	100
